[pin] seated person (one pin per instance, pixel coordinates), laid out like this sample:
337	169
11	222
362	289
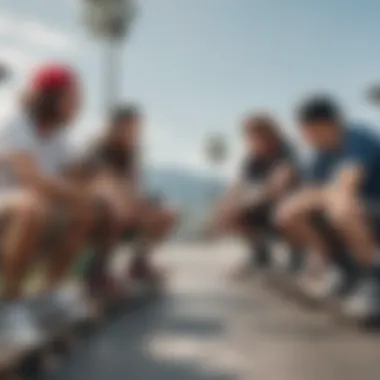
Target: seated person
118	183
33	152
344	191
268	173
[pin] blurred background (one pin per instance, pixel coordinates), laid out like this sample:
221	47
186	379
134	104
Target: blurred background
196	68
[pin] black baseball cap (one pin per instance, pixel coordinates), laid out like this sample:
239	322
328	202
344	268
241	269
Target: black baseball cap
319	108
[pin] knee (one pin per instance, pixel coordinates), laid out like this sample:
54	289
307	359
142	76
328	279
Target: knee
285	215
31	207
340	209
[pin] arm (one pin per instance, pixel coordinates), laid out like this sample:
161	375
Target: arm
359	156
278	182
25	169
347	180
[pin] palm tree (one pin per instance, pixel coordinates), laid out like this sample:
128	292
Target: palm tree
111	21
216	150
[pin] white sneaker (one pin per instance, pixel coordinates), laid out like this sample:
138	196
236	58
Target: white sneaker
311	274
327	284
73	302
18	326
363	301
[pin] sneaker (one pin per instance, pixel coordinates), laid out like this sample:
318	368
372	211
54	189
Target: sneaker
103	285
310	272
325	286
59	307
296	261
363	301
74	301
349	282
18	325
143	270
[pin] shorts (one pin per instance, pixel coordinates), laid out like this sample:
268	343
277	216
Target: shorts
58	223
258	217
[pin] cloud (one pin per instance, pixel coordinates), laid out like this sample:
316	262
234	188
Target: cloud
34	32
40	34
18	60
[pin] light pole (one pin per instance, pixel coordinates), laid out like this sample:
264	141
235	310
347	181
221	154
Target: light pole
110	21
4	73
373	94
216	153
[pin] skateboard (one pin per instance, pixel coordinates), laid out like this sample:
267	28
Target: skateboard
45	354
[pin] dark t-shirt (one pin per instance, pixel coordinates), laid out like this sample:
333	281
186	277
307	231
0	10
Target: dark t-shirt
258	169
360	147
119	160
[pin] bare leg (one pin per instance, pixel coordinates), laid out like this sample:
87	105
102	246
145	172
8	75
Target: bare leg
69	246
21	237
293	217
348	217
155	224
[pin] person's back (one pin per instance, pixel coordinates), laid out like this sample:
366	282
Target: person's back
363	146
359	145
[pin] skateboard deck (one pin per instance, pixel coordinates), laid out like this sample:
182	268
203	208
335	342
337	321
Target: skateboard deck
44	354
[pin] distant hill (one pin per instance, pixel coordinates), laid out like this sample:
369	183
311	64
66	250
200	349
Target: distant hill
192	192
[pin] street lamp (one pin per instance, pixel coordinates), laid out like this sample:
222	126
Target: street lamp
111	21
373	94
216	152
5	73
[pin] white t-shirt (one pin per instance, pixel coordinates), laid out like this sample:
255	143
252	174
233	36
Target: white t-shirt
17	133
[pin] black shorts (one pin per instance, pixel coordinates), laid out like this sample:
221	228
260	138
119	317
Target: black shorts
258	217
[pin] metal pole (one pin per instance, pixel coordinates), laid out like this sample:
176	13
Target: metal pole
112	76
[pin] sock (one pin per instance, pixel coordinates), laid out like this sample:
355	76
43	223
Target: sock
297	258
260	255
345	262
97	266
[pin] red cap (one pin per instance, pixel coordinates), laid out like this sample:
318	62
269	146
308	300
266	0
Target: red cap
53	77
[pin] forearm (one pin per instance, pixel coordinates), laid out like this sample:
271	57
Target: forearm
57	189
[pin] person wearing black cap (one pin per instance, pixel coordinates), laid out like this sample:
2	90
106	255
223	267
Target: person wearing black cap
343	188
118	182
269	172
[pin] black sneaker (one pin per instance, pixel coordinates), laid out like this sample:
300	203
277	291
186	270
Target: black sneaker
363	300
260	256
348	284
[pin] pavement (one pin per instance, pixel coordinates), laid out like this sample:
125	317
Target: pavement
207	328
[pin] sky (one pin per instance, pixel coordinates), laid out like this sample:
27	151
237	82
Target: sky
197	66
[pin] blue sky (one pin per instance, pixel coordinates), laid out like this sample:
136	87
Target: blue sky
197	65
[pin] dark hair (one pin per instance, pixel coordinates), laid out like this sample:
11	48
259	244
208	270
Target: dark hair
125	113
262	124
319	108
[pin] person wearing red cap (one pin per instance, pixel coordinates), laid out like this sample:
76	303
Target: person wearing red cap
35	151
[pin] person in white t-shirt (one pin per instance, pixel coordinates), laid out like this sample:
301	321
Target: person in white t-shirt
34	156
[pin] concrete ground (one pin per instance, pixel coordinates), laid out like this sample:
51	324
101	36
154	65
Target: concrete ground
206	328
